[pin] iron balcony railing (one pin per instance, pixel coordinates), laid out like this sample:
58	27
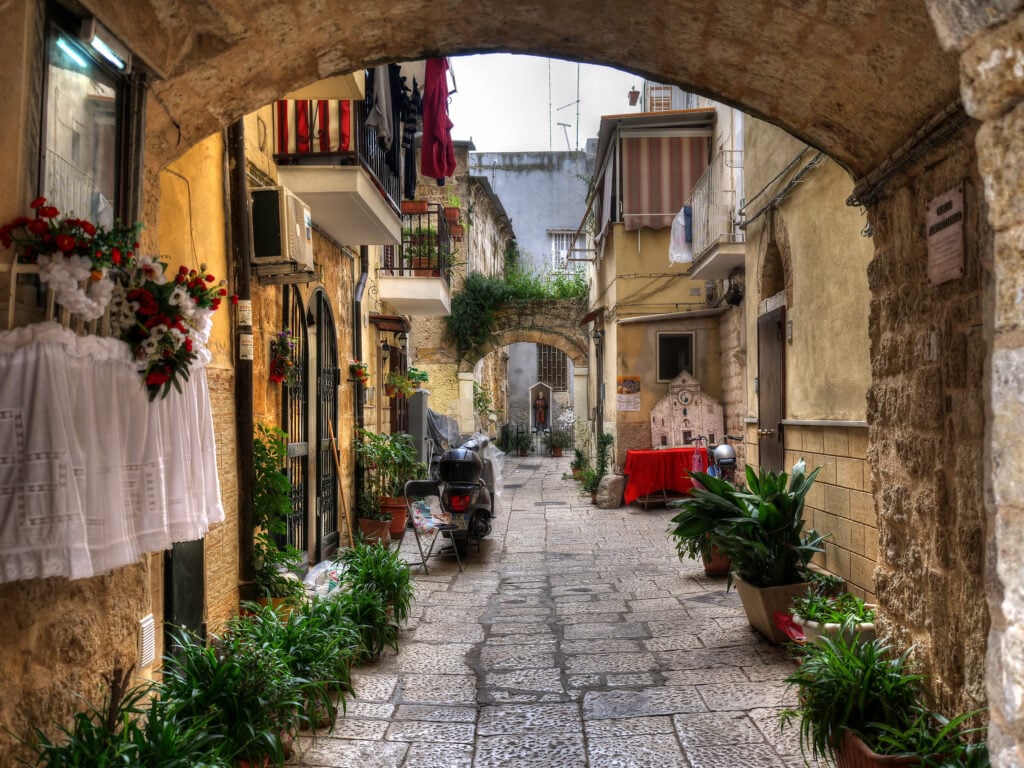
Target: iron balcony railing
714	203
426	249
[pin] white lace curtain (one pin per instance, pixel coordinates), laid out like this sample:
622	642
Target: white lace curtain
92	474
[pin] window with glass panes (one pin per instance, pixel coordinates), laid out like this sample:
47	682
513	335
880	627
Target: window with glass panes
552	367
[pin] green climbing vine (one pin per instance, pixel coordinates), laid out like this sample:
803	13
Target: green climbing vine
475	308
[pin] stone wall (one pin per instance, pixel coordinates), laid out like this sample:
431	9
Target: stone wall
989	40
927	421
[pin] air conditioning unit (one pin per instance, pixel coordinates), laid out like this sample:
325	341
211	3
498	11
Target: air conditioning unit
282	229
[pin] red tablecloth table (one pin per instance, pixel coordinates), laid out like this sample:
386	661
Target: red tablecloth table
662	470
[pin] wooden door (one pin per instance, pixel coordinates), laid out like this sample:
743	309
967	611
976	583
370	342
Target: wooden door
771	393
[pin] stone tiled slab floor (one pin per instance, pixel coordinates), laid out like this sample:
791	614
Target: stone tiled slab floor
574	638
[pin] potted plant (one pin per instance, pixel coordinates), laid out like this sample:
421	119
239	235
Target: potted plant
417	377
590	481
382	570
397	384
242	691
360	372
862	705
824	615
374	522
282	366
692	529
578	464
557	441
453	209
522	442
761	530
387	462
415	206
276	562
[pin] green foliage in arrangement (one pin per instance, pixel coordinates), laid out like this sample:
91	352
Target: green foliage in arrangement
242	691
475	308
366	611
604	453
387	462
131	728
829	609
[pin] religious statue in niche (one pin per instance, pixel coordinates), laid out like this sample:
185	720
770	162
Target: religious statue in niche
540	411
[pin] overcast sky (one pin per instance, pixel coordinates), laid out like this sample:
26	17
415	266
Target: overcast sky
503	101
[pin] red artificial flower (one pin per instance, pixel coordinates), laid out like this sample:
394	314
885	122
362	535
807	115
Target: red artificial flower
65	243
234	298
39	202
37	227
115	255
223	292
48	212
188	345
183	270
215	305
88	228
5	235
157	376
21	221
210	278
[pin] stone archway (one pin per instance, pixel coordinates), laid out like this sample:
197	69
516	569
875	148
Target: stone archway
871	85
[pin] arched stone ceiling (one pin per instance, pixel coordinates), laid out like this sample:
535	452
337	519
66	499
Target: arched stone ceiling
856	78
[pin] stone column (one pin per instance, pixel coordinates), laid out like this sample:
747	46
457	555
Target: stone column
467	419
580	390
989	40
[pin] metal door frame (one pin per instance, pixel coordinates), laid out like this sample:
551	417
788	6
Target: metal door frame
327	378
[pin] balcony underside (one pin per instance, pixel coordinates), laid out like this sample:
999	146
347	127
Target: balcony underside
345	203
718	261
415	296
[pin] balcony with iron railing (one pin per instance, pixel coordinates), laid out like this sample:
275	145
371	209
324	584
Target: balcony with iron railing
718	246
328	156
415	278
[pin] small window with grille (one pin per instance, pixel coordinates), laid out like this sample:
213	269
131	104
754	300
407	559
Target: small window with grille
561	240
552	367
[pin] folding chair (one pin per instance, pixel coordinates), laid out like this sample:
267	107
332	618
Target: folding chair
419	489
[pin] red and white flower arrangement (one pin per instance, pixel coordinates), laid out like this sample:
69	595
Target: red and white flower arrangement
165	321
282	366
75	257
360	372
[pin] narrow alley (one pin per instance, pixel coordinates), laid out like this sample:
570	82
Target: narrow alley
574	638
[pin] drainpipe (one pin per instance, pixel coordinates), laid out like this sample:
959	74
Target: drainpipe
240	249
357	353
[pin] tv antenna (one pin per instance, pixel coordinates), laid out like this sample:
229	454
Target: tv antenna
565	130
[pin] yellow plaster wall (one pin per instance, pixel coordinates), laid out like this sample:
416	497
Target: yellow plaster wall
828	368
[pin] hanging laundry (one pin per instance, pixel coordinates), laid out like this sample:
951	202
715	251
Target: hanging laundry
381	117
412	109
438	152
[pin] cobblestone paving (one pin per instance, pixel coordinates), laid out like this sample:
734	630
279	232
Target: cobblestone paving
575	638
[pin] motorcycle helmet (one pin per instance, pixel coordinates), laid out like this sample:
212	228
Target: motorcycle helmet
725	455
460	465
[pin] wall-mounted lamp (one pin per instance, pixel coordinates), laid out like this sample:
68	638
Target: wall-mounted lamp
101	40
634	96
598	335
403	339
385	350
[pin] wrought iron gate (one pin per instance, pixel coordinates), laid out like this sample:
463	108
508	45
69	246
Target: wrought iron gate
328	378
294	421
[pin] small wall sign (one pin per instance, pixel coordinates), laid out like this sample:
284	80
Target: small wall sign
944	225
245	346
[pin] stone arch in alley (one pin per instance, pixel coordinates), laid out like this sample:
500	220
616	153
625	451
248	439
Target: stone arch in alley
555	322
875	85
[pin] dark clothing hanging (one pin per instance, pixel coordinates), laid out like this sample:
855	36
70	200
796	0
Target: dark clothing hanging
438	152
412	109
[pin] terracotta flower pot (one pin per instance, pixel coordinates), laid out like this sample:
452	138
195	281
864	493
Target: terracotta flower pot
375	530
854	753
396	506
717	564
414	206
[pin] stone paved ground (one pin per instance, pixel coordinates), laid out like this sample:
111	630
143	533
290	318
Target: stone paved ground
575	638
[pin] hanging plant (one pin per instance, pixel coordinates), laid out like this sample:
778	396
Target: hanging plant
282	367
360	371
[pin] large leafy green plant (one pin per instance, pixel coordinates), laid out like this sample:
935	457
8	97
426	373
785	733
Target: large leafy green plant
387	461
760	528
272	506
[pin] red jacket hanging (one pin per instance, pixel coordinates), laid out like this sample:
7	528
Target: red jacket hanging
437	155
